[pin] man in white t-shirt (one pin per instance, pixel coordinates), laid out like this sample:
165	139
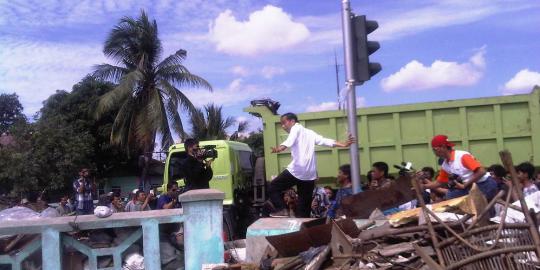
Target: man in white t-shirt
302	171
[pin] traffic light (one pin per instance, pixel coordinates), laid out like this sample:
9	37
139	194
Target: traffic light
362	48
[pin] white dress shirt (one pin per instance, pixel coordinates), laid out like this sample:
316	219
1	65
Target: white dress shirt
302	143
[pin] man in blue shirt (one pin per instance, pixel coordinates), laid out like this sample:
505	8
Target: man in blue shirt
345	189
168	200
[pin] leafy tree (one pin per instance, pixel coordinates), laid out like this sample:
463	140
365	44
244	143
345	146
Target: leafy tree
66	137
76	109
210	124
11	111
147	95
255	140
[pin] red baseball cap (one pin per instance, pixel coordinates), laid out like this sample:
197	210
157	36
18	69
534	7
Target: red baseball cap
440	140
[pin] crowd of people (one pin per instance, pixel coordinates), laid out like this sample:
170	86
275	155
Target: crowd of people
198	172
458	171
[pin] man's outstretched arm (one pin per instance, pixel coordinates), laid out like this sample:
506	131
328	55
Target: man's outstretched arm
350	140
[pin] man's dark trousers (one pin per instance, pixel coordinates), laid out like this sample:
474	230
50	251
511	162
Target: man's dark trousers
286	180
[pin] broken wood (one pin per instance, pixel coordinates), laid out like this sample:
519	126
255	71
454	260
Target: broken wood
361	205
388	231
317	262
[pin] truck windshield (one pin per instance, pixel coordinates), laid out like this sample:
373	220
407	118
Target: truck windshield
246	161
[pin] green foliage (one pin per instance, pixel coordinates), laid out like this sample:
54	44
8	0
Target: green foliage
210	124
147	95
11	111
255	140
66	137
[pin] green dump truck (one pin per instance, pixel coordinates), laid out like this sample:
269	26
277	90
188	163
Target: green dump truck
236	173
394	134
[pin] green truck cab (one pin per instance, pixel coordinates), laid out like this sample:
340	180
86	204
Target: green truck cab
233	168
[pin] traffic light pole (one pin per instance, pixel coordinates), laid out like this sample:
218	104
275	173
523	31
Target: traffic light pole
351	94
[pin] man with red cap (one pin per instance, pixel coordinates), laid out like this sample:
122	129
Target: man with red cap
459	169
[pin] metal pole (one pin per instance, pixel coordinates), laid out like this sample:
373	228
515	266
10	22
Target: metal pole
337	81
351	100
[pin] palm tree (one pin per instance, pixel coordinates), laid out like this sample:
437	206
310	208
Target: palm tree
147	94
210	123
242	127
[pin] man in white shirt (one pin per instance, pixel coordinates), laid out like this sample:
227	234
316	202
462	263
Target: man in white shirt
302	171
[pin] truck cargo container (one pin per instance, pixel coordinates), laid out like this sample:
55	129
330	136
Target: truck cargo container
393	134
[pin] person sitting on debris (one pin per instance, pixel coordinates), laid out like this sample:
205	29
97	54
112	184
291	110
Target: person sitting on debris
425	175
345	189
64	208
140	204
168	200
320	202
330	192
366	185
290	197
460	170
525	174
499	173
379	176
302	171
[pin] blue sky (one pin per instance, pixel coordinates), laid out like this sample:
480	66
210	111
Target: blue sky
284	49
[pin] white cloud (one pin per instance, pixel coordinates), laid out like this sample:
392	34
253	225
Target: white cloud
332	105
269	72
35	70
266	30
522	82
236	93
415	76
402	22
253	124
240	71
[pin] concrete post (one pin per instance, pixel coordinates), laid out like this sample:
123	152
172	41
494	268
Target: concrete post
51	249
203	227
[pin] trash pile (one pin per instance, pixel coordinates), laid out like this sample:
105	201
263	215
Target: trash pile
453	234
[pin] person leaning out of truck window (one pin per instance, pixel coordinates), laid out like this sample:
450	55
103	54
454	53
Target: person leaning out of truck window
460	170
197	170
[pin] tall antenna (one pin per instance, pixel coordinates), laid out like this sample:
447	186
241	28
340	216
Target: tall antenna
337	80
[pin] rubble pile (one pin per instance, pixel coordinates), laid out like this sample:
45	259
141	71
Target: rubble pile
455	234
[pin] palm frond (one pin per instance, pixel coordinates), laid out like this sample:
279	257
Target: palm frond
174	59
180	76
177	96
165	130
198	124
174	118
109	72
118	94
